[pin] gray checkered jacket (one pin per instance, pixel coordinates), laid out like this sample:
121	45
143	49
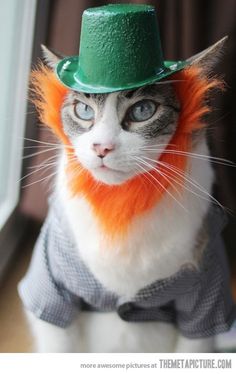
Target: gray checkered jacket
58	284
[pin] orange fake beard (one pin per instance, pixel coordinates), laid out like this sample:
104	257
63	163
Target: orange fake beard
116	206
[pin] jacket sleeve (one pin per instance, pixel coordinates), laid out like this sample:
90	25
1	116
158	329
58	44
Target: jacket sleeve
39	291
208	309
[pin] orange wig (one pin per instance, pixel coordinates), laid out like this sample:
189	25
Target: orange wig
116	206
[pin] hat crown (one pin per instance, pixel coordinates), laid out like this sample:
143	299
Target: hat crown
120	49
119	46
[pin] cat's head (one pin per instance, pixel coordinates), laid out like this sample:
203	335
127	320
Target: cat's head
117	136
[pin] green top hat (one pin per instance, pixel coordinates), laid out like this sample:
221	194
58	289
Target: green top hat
120	49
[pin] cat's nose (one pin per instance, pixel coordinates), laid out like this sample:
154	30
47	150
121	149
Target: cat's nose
102	150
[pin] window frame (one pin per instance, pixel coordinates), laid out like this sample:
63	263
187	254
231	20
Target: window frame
18	87
15	224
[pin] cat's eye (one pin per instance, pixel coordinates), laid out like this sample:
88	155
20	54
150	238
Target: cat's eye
83	111
142	111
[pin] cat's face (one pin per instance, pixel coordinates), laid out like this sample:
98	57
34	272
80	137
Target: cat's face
112	133
119	135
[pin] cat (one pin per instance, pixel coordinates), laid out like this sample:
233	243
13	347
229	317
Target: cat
134	194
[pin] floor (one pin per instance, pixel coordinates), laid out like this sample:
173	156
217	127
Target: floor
14	332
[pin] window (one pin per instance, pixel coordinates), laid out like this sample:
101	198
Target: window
17	20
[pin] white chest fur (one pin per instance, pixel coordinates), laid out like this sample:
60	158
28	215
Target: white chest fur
159	242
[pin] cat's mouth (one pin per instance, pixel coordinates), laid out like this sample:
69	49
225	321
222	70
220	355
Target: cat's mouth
113	170
108	171
104	167
109	175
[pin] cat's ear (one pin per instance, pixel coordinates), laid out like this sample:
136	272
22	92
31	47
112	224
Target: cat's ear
208	58
51	59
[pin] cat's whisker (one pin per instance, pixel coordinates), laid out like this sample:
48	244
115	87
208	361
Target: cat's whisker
72	157
163	187
76	170
189	180
42	163
50	161
48	143
40	146
138	174
195	184
216	160
207	196
160	172
179	182
39	153
188	154
40	141
142	174
37	170
42	170
198	155
47	166
76	174
172	168
40	180
157	146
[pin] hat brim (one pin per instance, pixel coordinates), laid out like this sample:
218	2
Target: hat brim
66	71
